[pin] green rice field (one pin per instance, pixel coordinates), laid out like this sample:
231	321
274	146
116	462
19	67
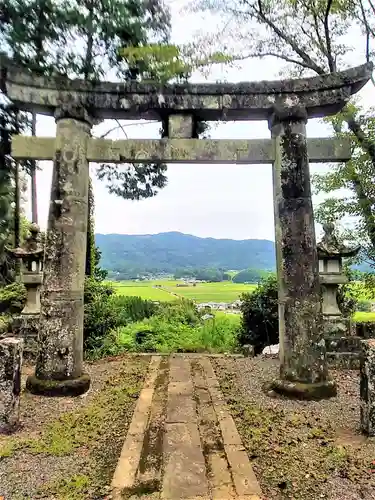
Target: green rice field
144	289
202	292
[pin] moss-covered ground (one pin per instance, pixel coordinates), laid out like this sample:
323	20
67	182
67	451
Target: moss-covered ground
300	450
67	448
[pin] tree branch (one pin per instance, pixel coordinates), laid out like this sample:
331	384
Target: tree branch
119	125
322	47
122	128
366	144
368	30
372	5
308	62
331	61
272	54
109	131
366	205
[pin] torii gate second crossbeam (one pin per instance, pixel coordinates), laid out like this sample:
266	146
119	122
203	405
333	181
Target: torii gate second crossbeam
201	151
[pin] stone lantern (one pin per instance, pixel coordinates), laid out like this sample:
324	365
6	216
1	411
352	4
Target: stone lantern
331	254
31	256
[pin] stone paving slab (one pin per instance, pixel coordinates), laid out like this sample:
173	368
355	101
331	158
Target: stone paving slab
182	442
185	468
127	466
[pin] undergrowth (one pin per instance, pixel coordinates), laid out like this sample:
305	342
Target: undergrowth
176	328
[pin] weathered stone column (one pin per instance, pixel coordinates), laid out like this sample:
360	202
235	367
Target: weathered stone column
60	356
367	387
10	383
303	366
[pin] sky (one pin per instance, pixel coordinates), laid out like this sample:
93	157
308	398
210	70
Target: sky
218	201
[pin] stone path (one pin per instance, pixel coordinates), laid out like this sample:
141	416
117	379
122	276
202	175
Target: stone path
182	442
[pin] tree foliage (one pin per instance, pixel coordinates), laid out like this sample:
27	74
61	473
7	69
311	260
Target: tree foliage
249	276
163	63
349	188
260	316
313	37
77	39
83	40
10	221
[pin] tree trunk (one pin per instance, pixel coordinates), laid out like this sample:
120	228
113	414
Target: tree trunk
34	204
87	71
366	205
16	205
90	248
367	145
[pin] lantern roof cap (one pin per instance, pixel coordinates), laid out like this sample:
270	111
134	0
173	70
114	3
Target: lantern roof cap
32	247
329	245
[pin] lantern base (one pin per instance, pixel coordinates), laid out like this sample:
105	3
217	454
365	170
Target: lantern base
53	388
26	326
338	326
304	391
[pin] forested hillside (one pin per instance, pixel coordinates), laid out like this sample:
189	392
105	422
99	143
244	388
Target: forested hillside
167	252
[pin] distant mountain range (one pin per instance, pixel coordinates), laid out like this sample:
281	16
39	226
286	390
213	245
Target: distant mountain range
166	252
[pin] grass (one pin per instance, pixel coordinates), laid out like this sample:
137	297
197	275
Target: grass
203	292
363	317
72	488
169	334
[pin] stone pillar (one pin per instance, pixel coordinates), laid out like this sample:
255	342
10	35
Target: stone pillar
303	366
180	126
10	383
367	387
59	362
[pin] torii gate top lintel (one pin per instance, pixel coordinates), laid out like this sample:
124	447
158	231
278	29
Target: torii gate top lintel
319	96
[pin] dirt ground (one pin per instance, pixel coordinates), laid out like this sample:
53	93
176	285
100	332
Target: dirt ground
300	450
67	448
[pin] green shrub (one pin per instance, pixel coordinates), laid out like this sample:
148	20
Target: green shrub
168	334
158	334
220	334
5	323
260	324
132	308
364	306
12	298
105	311
100	317
180	312
95	288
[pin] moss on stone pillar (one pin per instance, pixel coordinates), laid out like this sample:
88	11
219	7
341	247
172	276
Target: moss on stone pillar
60	353
10	383
367	387
303	365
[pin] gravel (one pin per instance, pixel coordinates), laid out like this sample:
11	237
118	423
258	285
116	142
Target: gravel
300	450
93	427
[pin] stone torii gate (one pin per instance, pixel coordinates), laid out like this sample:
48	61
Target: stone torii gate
286	105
